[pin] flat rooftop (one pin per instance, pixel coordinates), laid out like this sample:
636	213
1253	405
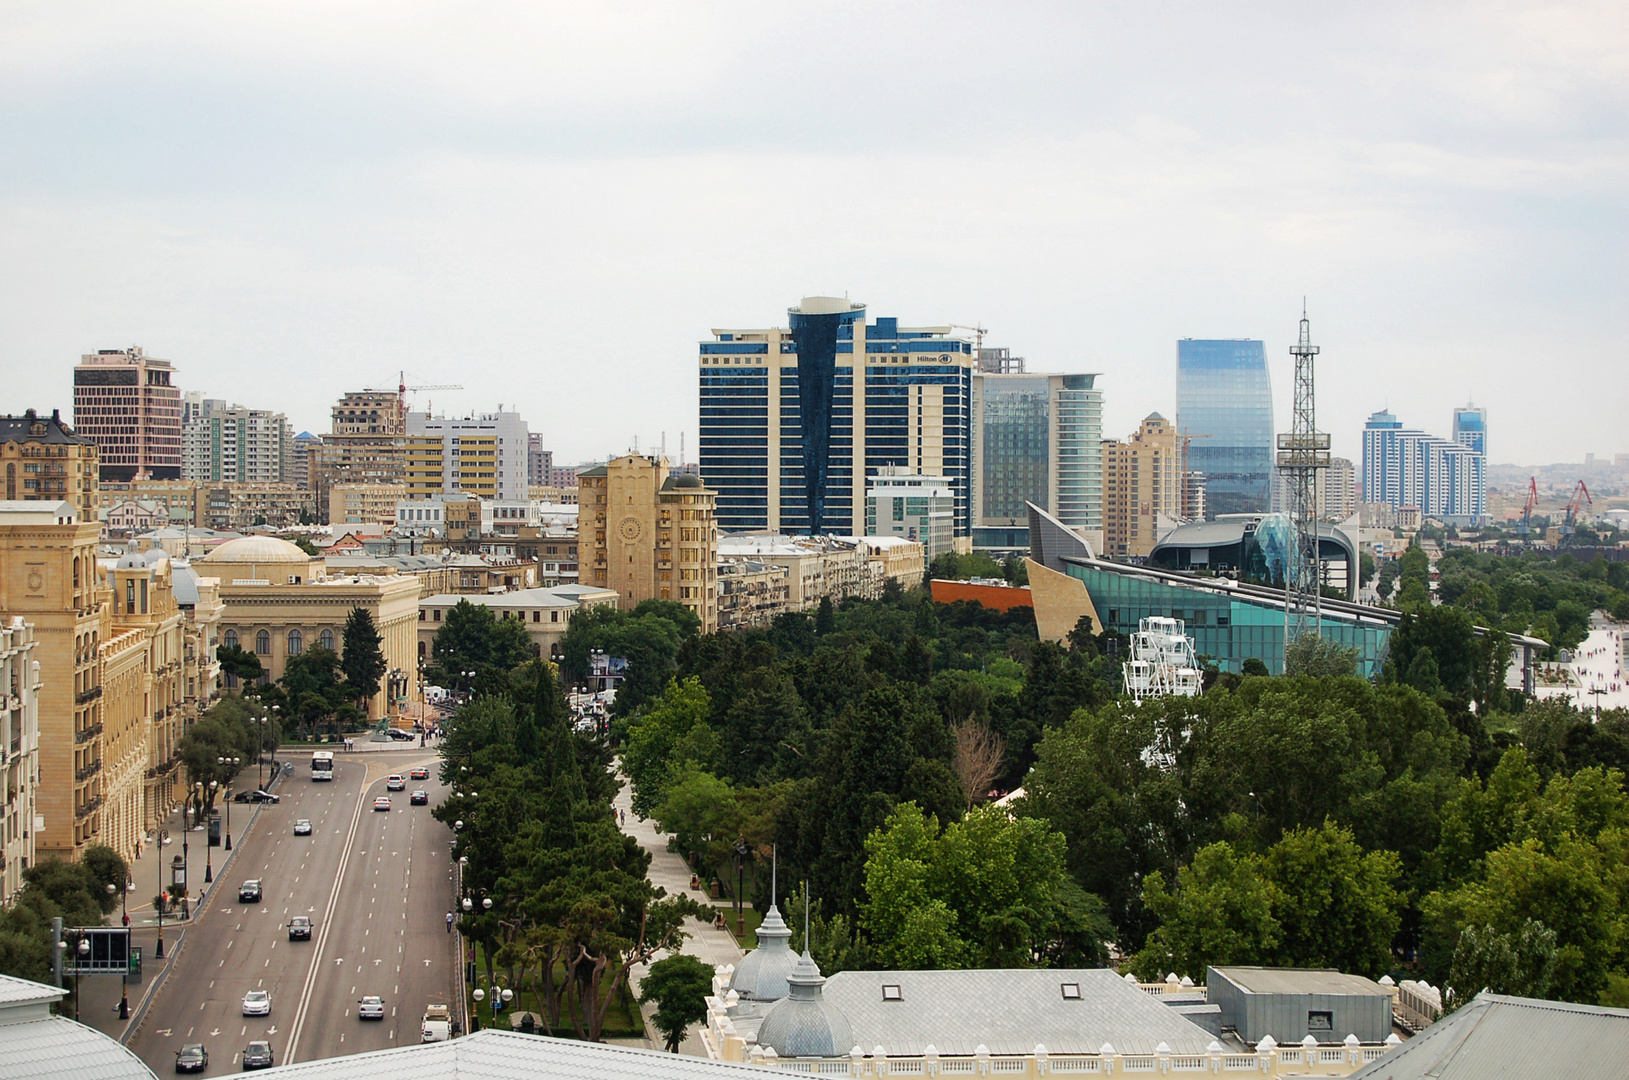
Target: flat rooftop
1258	980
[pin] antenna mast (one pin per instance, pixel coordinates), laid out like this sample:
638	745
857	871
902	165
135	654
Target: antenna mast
1301	454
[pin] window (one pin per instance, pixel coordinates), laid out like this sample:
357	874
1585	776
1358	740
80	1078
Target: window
892	992
326	638
296	643
230	639
263	643
1320	1021
1071	991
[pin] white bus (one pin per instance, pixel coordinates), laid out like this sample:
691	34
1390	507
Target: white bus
322	765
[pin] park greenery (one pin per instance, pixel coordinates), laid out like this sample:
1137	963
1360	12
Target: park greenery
1429	820
571	911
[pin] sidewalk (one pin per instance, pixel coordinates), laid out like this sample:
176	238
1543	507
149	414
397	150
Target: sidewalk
99	994
706	943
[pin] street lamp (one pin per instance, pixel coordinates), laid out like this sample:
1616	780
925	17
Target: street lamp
209	869
475	1017
83	949
741	850
260	749
163	897
232	763
124	976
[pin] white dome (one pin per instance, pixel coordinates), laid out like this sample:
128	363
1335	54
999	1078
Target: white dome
257	549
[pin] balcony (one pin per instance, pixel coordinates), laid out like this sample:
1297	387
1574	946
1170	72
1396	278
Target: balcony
86	696
88	771
85	735
89	808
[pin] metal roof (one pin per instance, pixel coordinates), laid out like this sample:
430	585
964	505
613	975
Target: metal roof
520	598
56	1048
1009	1011
1497	1037
504	1055
1260	980
15	991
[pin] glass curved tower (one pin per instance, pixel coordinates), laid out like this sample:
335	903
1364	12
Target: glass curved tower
1225	406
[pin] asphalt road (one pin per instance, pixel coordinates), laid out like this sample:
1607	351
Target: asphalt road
376	886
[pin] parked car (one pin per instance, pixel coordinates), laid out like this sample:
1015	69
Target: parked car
250	892
299	928
191	1058
257	1055
371	1007
257	1003
396	782
402	736
256	796
381	803
419	798
420	773
302	827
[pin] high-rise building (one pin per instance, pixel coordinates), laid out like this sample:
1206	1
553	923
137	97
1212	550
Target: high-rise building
1471	428
649	535
487	454
230	443
791	429
1407	468
1038	438
300	459
124	402
539	462
1225	406
366	446
915	507
1145	479
1337	491
44	460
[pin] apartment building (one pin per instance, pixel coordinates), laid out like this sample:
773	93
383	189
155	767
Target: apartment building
484	454
19	751
45	460
1145	479
649	535
127	404
232	443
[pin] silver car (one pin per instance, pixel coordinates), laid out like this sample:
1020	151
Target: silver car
371	1007
257	1003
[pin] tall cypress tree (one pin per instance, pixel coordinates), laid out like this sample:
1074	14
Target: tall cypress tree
363	660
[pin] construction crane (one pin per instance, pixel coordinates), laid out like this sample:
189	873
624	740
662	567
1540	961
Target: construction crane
1575	505
1526	526
978	334
402	388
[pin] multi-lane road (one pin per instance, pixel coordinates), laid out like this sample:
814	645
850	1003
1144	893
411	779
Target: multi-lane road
376	886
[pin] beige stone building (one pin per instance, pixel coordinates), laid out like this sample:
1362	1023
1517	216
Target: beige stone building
184	499
546	613
816	566
43	460
1144	480
19	751
277	601
368	445
751	593
649	535
48	577
364	504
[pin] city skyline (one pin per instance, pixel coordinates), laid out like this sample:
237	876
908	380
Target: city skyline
323	202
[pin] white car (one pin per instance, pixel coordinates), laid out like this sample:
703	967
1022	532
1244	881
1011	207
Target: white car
257	1003
396	783
371	1007
302	827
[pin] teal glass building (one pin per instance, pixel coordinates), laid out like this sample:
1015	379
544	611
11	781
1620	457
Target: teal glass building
1225	404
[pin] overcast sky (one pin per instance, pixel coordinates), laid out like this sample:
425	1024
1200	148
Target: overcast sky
552	203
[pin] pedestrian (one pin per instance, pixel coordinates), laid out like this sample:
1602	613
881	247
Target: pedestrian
449	922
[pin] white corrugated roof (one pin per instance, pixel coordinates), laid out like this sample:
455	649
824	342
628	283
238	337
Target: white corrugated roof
503	1055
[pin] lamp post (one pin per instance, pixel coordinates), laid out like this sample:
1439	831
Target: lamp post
475	1015
209	868
83	949
741	851
124	976
163	897
231	763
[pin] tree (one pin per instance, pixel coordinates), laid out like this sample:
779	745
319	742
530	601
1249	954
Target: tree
1336	905
239	663
679	985
362	660
670	733
473	638
1221	912
1254	665
1521	964
979	754
1313	655
825	617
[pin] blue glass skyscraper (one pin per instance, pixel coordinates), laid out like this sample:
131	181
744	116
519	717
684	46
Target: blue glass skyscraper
789	434
1225	405
1471	428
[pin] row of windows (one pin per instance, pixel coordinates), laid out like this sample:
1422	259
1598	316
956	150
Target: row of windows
295	643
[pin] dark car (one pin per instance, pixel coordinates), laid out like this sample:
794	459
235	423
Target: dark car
419	798
299	928
249	892
191	1058
256	796
257	1055
402	736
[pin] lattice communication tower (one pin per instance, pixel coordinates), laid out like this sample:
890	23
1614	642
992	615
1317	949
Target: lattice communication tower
1301	455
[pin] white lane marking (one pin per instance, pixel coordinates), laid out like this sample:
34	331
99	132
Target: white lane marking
322	935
